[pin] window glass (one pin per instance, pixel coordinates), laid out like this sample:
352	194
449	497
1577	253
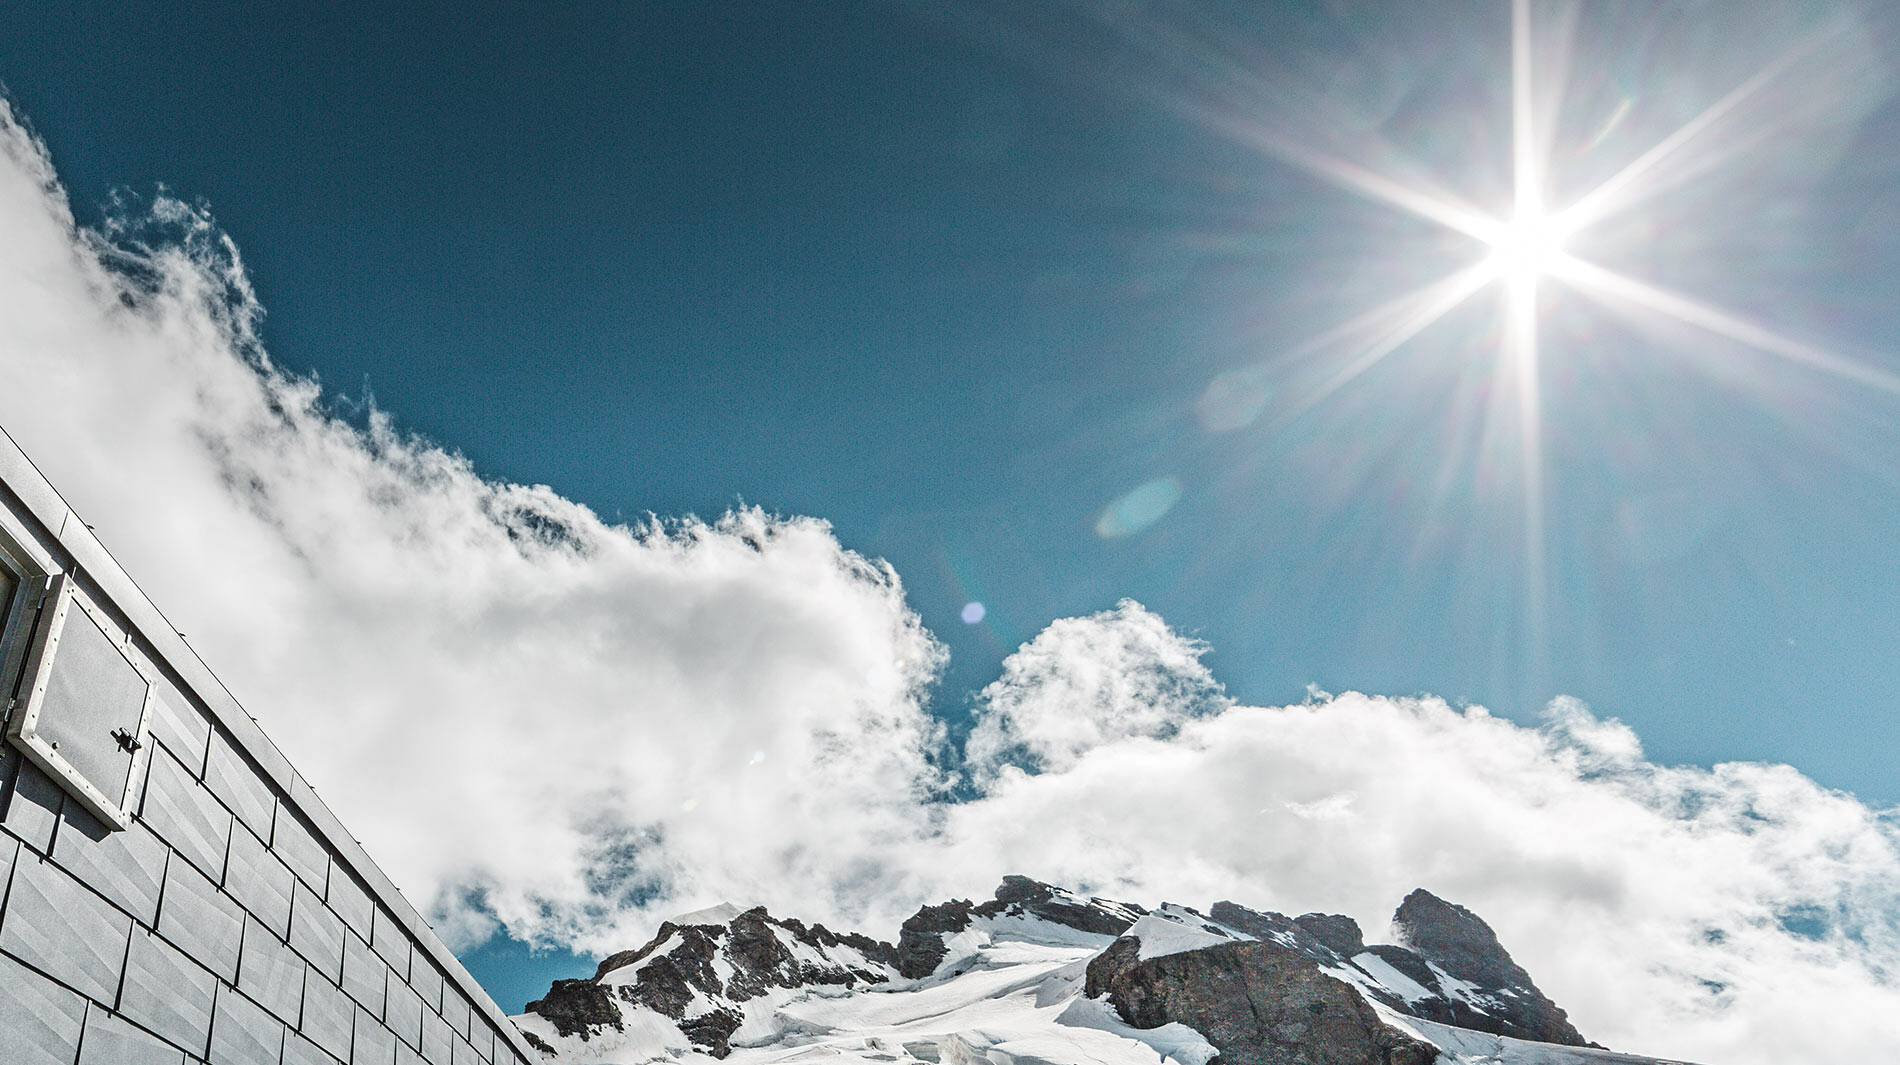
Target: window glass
92	693
8	583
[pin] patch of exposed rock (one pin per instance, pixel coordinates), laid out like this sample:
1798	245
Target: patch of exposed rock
575	1007
1462	946
1464	975
678	975
1258	1003
923	942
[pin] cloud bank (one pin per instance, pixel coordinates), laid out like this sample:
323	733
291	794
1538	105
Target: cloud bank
543	722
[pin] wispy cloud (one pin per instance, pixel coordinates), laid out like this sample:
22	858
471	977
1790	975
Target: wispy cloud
536	718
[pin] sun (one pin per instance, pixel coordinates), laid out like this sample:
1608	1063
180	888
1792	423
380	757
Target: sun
1528	247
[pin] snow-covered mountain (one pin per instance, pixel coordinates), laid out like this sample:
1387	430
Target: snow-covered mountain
1042	976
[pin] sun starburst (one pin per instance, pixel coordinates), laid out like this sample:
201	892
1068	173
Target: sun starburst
1532	251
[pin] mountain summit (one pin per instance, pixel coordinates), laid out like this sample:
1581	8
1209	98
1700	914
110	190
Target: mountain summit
1040	975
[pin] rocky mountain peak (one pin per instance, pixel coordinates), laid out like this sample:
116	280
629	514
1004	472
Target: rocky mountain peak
923	943
1233	986
698	970
1456	943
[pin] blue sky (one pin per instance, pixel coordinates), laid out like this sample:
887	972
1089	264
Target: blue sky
1017	301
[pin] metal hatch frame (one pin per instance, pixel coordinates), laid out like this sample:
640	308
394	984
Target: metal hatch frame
54	598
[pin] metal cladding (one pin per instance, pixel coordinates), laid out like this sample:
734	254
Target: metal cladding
232	919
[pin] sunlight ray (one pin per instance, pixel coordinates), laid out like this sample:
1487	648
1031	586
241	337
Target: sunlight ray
1590	278
1397	322
1367	182
1628	187
1519	354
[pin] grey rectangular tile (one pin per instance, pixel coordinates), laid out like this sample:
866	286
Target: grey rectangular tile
126	866
168	992
456	1011
180	726
110	1040
270	972
364	974
406	1056
301	1051
185	815
316	933
30	803
350	901
484	1041
39	1020
260	883
463	1053
242	1033
293	841
436	1037
402	1012
392	942
205	923
374	1044
55	925
427	981
328	1014
230	777
9	853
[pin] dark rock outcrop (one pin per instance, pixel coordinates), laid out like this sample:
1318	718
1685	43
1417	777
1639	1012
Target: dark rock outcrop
1339	933
1258	1003
921	944
921	941
1464	947
574	1006
677	969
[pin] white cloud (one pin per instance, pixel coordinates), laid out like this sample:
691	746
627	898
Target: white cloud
591	725
1084	682
494	688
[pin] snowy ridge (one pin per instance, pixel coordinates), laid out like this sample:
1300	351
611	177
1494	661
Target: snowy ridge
1011	985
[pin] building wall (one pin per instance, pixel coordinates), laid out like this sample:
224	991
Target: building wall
234	920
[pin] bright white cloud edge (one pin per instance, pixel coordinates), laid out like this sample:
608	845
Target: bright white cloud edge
570	728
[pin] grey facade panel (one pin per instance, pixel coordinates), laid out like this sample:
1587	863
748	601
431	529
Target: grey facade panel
259	882
392	942
402	1012
374	1044
55	925
456	1011
233	781
317	934
436	1037
427	980
184	814
364	974
270	972
180	726
202	921
328	1014
39	1020
350	901
301	1051
407	1056
463	1053
126	866
168	993
299	848
111	1041
243	1033
31	801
